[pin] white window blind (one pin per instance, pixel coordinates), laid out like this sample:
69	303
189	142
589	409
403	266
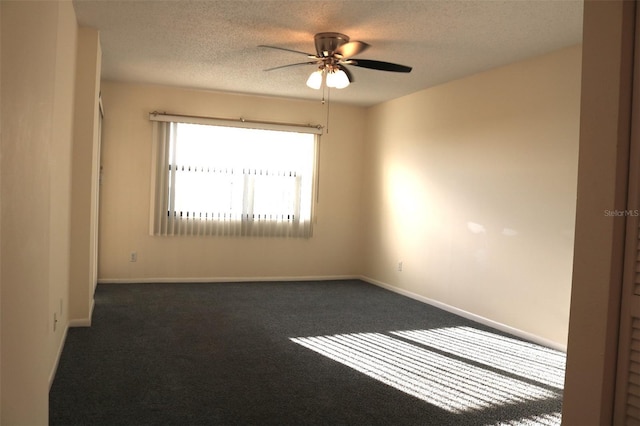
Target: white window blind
232	181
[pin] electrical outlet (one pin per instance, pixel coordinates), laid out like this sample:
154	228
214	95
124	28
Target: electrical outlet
133	257
400	266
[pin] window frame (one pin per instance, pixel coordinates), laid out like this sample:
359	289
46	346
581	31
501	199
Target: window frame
162	224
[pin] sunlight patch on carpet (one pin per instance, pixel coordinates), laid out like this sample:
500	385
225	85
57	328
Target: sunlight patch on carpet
513	356
445	381
551	419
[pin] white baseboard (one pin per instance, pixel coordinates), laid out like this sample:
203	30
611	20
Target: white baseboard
477	318
83	322
225	279
54	369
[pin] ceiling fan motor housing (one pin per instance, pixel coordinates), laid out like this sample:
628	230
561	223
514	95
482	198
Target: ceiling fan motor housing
327	43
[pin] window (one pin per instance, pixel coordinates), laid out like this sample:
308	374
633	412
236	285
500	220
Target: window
235	181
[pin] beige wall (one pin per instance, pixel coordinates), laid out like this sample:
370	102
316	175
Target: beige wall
38	69
472	186
85	178
124	198
60	174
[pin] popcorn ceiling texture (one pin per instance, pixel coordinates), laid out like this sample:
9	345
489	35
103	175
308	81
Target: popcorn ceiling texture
213	44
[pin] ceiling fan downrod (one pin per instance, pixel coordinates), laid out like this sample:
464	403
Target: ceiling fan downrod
328	43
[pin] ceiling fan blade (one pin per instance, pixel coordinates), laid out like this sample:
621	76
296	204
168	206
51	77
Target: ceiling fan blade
351	48
379	65
292	65
287	50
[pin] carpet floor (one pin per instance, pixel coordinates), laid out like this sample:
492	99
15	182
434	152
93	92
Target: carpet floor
294	353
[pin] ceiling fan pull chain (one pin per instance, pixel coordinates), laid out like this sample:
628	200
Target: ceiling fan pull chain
328	104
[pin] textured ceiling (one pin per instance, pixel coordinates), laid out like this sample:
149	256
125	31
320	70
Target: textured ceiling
213	44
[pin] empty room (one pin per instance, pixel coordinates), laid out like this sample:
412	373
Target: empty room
318	212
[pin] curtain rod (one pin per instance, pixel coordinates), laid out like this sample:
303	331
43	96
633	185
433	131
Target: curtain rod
241	122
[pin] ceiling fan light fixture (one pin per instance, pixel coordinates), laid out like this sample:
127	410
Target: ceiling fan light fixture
337	78
315	80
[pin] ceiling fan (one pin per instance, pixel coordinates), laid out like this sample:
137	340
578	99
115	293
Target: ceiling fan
333	52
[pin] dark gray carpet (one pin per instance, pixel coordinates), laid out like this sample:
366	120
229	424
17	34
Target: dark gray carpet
221	354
